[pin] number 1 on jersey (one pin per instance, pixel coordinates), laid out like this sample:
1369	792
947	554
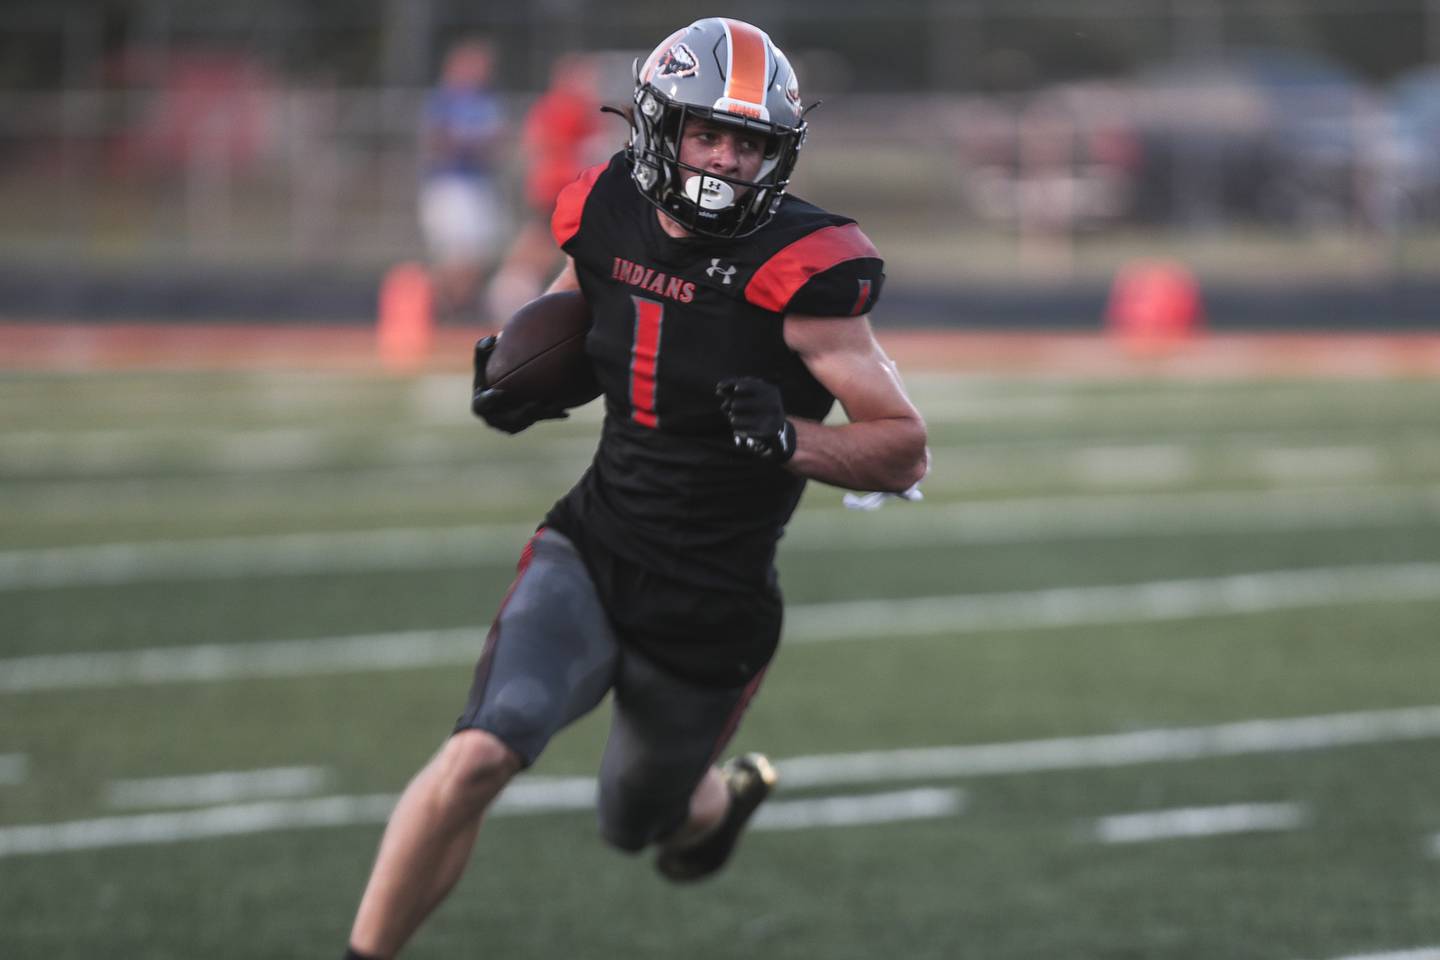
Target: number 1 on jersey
644	359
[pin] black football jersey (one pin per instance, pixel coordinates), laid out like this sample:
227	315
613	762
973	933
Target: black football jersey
667	489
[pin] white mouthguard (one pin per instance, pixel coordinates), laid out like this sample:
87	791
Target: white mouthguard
709	193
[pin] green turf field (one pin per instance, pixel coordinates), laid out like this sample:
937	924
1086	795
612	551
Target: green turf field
1216	605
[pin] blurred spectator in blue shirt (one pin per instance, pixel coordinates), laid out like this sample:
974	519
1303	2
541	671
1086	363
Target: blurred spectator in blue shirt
461	214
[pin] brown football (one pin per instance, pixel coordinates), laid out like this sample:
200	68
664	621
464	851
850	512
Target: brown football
540	353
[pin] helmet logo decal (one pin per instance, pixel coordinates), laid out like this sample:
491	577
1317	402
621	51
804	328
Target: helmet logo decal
678	61
792	91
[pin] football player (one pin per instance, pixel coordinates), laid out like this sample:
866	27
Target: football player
728	317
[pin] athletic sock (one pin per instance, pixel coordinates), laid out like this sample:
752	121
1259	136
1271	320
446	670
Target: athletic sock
352	954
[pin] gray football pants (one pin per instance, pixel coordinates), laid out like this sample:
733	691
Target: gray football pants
550	658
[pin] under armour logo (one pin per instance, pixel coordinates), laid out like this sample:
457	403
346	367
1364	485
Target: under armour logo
726	272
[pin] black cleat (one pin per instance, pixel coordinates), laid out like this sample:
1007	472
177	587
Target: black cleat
749	778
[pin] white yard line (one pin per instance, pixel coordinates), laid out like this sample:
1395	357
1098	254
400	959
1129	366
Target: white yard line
805	624
1418	953
552	794
1162	600
529	795
1152	465
1307	464
926	803
156	828
987	406
102	457
896	527
266	555
440	401
1128	515
542	795
959	399
14	768
1168	745
230	786
407	650
1187	822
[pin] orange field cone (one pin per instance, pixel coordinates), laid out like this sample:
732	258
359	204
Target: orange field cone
406	323
1154	306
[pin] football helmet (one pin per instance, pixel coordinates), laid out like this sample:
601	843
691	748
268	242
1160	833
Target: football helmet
730	72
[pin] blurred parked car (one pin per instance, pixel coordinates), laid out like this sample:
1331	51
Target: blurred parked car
1063	158
1271	135
1412	157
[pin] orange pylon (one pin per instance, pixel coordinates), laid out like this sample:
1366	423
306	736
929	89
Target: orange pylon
405	327
1154	306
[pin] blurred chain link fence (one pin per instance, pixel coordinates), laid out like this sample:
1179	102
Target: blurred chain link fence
287	133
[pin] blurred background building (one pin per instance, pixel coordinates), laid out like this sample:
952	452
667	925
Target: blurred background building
187	158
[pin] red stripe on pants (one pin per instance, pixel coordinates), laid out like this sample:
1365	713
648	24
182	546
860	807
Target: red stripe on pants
733	724
492	638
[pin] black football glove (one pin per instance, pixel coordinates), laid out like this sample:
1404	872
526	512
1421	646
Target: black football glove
500	410
757	418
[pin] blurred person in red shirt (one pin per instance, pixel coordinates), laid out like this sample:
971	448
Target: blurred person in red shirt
559	141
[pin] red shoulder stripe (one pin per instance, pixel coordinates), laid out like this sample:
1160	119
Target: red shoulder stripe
782	276
565	221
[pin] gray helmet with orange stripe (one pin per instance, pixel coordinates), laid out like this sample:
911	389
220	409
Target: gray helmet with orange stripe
729	72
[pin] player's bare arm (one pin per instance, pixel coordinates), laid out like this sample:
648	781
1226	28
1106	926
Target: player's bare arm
883	445
566	279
